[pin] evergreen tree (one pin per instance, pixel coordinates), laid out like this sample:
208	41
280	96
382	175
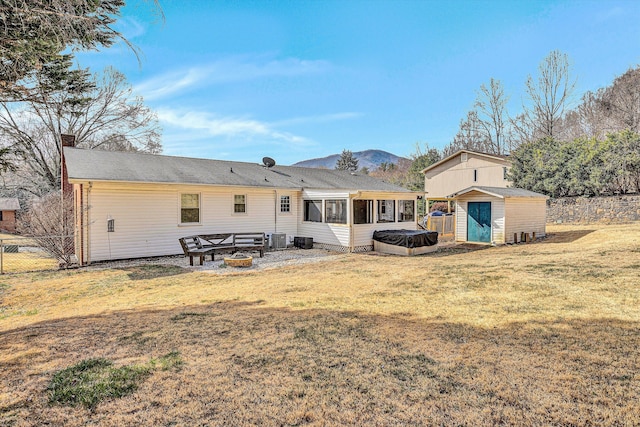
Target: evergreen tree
36	32
347	162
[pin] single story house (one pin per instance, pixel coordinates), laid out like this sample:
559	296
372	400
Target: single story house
497	215
8	208
130	205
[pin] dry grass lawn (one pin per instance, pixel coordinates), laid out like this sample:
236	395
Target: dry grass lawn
24	260
537	334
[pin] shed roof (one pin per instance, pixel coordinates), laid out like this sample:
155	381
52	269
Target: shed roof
9	204
116	166
459	152
502	193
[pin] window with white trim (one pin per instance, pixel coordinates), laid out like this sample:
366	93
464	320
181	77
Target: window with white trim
285	204
239	203
335	211
190	208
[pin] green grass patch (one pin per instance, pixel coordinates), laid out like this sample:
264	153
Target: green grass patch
153	271
94	380
170	361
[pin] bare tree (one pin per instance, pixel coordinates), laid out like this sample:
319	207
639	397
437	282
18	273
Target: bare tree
620	102
471	135
491	109
48	221
102	113
610	109
587	120
549	95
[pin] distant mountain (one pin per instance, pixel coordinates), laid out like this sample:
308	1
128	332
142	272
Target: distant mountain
370	159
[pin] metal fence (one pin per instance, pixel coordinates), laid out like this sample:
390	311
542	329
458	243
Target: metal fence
22	254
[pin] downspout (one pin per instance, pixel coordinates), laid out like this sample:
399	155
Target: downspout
275	211
89	223
79	204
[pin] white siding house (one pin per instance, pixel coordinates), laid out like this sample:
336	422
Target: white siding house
495	215
465	169
130	205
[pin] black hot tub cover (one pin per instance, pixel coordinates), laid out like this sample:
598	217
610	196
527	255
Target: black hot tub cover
407	238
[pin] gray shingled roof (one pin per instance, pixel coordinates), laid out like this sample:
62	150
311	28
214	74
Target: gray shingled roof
500	192
479	153
96	165
9	204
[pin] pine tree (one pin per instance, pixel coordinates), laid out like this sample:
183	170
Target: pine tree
347	162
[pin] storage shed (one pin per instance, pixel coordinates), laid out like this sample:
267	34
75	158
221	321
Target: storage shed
8	208
496	215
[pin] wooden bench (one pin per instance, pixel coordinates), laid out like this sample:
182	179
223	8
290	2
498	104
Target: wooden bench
249	242
192	246
220	242
210	244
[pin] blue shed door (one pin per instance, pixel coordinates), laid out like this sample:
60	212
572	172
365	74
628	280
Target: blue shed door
479	222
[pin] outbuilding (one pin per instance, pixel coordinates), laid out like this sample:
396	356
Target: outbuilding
8	208
495	215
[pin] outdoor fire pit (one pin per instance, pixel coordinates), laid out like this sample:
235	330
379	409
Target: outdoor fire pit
239	260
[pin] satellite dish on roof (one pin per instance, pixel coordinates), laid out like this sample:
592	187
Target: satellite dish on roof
268	162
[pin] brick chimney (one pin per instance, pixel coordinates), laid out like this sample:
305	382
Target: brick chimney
67	141
67	192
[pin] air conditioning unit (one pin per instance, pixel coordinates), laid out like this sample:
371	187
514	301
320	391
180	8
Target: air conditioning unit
278	241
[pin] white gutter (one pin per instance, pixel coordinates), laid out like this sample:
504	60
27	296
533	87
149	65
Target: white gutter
275	211
89	223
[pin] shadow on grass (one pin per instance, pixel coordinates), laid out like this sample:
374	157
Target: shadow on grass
457	249
153	271
249	365
567	236
460	248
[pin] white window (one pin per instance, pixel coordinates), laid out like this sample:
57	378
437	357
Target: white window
285	204
406	210
189	208
239	203
386	211
335	211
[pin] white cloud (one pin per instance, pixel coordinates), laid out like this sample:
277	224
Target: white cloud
610	14
323	118
130	27
231	127
233	69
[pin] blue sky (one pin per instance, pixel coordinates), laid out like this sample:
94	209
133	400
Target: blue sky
240	80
